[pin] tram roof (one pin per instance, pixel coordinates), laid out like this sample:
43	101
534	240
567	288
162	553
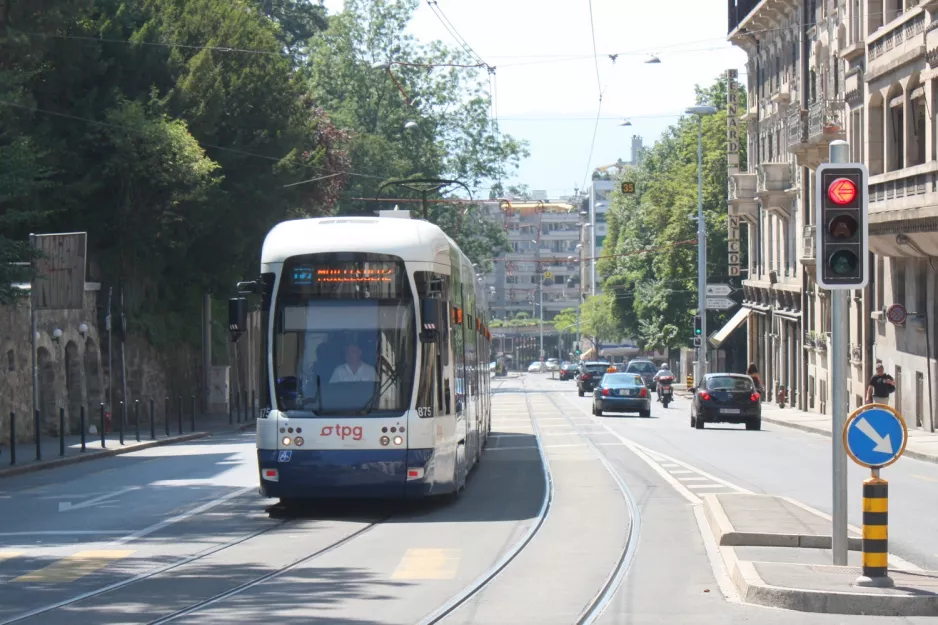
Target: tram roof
413	240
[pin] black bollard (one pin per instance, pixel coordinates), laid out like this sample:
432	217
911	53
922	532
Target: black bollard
253	407
152	420
61	431
179	414
81	418
237	398
36	431
12	437
192	414
244	400
103	444
123	417
166	416
137	419
230	411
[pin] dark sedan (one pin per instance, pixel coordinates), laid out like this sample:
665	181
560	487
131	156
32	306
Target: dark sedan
589	374
726	398
568	371
622	392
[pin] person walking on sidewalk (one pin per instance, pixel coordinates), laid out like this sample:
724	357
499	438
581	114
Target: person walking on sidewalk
881	386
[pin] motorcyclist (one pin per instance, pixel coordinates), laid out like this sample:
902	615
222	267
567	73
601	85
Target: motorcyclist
663	372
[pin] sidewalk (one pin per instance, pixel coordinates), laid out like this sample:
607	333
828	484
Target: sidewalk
777	553
922	445
26	462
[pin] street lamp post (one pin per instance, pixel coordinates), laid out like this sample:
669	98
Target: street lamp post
700	111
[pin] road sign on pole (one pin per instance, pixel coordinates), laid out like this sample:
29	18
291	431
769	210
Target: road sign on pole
875	436
718	290
720	303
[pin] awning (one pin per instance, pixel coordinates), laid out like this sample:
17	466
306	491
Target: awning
741	315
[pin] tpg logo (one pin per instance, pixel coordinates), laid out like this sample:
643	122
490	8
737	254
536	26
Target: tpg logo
343	431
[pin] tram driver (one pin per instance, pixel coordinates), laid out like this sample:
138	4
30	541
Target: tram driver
354	369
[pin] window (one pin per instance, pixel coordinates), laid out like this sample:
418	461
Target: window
898	280
727	383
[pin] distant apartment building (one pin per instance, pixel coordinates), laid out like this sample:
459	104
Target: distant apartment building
542	260
864	71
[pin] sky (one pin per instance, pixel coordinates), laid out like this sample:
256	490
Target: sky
547	86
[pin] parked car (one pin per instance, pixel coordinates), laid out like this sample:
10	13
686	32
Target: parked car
622	392
553	364
589	374
726	398
644	368
568	371
537	367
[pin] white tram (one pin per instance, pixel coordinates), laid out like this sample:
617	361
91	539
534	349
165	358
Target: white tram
376	340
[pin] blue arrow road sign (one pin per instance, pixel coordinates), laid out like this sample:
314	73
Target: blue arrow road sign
875	436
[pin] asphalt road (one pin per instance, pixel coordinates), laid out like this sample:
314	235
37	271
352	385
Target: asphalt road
148	536
782	461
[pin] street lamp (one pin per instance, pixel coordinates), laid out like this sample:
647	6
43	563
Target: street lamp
540	291
700	111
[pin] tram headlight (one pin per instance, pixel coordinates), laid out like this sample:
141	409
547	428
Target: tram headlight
286	441
398	440
385	440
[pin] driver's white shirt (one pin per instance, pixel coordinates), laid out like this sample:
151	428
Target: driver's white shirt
344	373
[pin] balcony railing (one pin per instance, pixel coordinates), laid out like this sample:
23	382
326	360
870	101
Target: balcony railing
909	186
825	117
898	35
807	244
796	127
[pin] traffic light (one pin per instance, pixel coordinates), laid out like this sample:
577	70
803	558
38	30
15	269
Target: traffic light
842	205
698	326
698	341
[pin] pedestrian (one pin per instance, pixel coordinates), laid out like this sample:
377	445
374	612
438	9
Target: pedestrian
881	386
753	372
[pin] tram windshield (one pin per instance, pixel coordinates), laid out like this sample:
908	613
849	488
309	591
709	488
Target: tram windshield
344	337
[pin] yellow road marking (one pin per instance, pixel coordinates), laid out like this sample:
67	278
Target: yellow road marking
74	566
428	564
923	477
8	555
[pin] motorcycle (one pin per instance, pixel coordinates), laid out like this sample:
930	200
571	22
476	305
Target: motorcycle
666	390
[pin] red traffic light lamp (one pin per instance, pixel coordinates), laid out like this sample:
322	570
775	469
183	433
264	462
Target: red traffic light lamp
842	191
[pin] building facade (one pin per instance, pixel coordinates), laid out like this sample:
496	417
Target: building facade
863	71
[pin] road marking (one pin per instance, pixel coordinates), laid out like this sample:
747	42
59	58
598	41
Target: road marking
75	566
184	516
679	472
692	479
510	448
699	486
65	506
9	555
924	477
428	564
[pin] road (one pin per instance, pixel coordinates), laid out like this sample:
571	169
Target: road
179	534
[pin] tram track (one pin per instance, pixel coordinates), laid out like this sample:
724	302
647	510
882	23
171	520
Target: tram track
481	582
595	607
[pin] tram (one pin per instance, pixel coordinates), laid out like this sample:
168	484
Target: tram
375	344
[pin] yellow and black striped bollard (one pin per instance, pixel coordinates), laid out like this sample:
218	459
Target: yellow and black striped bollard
875	533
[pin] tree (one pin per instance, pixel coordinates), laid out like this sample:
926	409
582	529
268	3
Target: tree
374	78
651	241
596	322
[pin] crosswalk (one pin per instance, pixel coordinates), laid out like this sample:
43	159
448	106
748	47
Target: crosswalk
16	567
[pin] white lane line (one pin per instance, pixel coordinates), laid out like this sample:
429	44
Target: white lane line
693	479
700	486
534	447
680	472
714	478
182	517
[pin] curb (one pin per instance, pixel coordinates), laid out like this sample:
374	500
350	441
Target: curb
110	452
753	589
726	535
815	430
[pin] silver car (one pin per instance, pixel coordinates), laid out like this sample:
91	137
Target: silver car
646	369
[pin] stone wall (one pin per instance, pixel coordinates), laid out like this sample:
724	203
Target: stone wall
74	370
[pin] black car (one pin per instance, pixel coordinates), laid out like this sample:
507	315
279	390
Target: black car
568	371
588	376
726	398
622	392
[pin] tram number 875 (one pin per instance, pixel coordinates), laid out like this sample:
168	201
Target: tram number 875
424	411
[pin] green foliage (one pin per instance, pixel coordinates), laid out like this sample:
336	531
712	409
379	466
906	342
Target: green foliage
454	137
650	271
596	319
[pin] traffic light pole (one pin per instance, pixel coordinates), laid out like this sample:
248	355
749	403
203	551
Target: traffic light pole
840	324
